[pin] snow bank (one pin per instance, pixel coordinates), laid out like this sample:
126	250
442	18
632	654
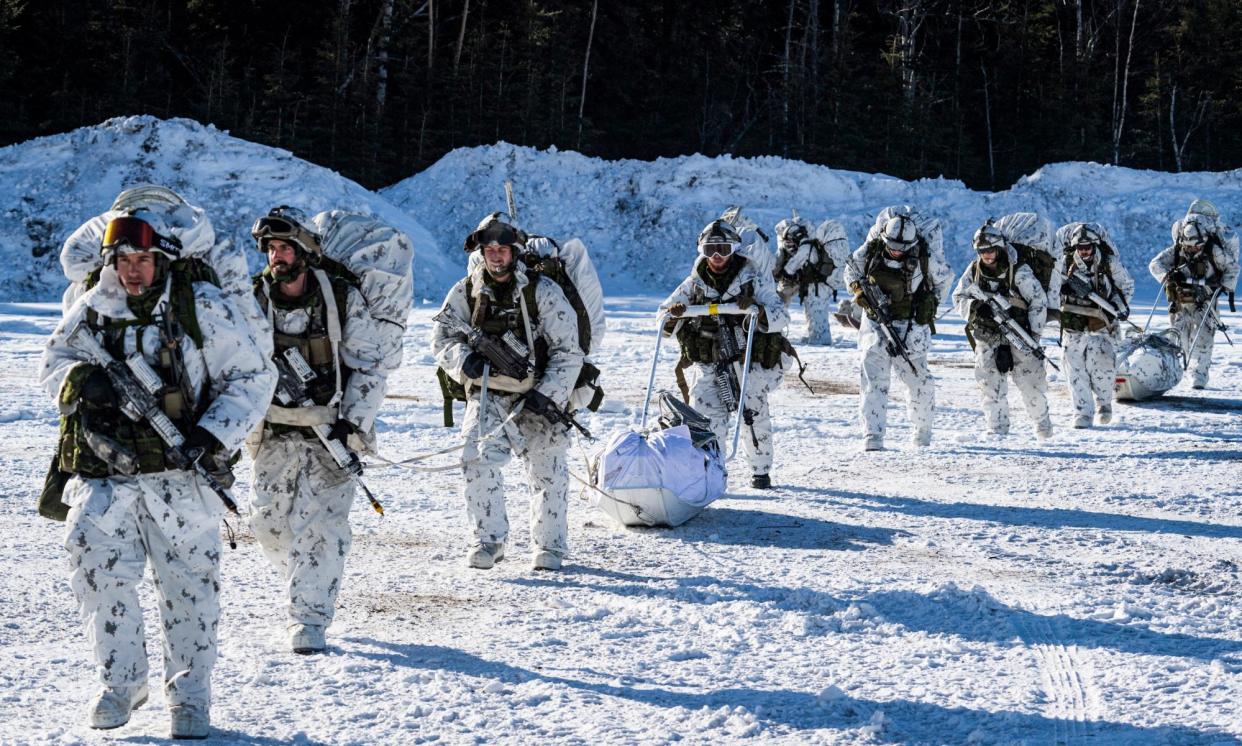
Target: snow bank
50	185
639	218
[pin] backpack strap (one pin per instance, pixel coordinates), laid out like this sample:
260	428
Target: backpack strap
333	314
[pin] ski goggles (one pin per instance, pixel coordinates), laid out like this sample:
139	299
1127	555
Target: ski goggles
717	249
498	233
274	226
138	235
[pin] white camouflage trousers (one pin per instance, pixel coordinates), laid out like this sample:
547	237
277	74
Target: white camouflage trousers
543	448
115	526
706	399
1186	322
1091	359
817	305
1029	378
300	517
876	371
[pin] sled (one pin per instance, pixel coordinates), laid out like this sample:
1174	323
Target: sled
1148	364
667	474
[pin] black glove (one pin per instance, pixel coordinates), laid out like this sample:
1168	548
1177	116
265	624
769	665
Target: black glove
676	309
744	302
983	310
200	443
96	388
1176	277
1066	289
340	432
473	365
537	403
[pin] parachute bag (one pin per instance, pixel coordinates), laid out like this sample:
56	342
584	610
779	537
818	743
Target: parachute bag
1004	358
51	505
587	391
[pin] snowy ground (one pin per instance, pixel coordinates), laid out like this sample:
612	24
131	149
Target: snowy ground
1082	590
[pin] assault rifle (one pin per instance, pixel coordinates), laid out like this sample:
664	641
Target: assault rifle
294	373
136	383
727	386
507	354
556	415
878	304
1014	332
1081	288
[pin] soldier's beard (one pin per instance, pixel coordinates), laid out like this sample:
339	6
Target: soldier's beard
283	272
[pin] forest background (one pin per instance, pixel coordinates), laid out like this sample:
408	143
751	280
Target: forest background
378	90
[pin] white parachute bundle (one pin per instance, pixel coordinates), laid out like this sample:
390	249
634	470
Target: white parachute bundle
1028	229
1148	364
928	227
382	258
1208	215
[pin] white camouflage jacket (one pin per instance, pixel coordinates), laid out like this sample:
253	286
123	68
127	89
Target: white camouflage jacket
1115	285
556	323
230	370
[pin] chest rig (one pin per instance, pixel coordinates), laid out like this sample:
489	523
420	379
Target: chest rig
699	336
498	310
1080	314
319	344
817	270
896	278
90	430
1200	269
999	281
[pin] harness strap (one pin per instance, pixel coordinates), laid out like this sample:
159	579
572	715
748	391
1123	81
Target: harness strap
334	331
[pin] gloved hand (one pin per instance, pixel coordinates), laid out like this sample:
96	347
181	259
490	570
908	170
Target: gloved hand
537	403
341	430
1066	289
1176	277
201	443
677	309
472	367
745	301
983	310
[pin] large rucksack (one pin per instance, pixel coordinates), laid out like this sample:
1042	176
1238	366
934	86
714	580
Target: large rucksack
1031	237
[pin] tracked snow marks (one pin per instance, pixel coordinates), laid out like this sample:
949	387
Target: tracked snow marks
1071	700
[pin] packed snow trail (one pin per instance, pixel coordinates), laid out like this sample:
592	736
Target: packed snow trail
1079	590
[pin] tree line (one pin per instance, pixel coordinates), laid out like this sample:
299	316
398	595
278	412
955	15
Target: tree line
379	89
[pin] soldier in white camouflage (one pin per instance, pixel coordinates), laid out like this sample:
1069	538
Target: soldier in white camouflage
1195	271
896	262
301	496
810	268
511	401
997	273
721	274
1088	329
129	501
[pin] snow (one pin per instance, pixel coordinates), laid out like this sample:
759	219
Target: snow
1082	589
639	218
51	185
983	590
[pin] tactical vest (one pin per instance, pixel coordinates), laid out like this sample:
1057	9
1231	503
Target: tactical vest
314	343
1101	282
1002	284
698	336
905	302
84	422
1200	265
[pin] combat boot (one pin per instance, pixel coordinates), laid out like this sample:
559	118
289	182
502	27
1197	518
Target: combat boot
112	706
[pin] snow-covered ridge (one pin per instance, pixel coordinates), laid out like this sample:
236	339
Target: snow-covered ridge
51	185
640	218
